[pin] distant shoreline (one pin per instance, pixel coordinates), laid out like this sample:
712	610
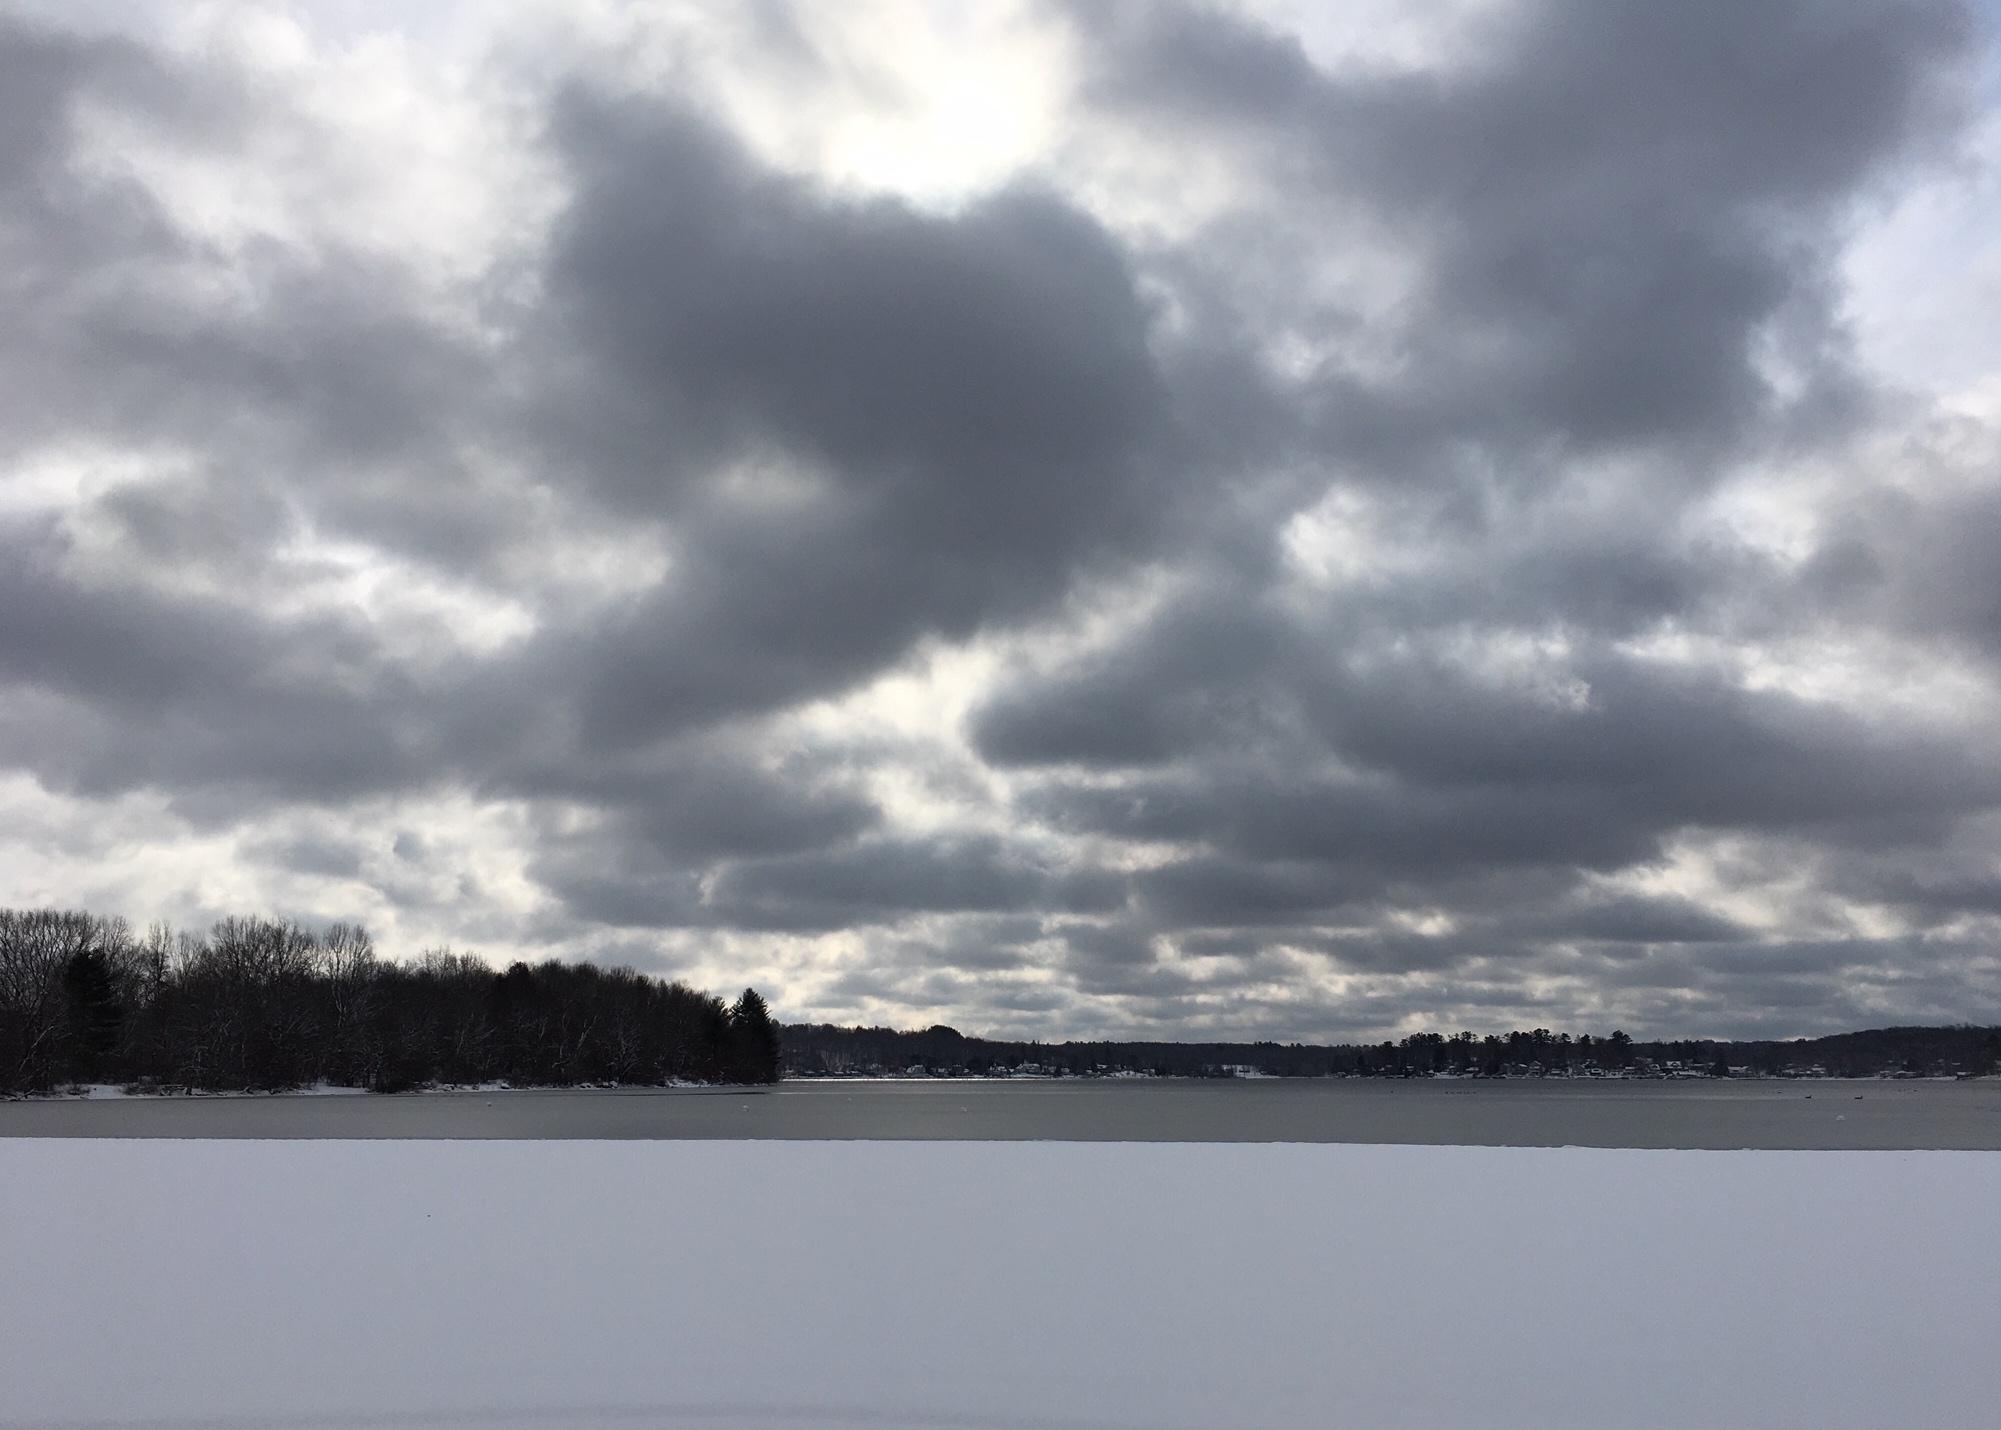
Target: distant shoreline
111	1093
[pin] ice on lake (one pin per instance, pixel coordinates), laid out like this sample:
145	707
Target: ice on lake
578	1283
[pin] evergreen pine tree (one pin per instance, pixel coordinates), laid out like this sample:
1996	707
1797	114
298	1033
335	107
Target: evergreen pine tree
753	1040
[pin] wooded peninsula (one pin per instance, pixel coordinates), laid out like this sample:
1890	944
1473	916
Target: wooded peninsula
258	1004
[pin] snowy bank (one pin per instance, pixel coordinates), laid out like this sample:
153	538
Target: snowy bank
1048	1284
119	1092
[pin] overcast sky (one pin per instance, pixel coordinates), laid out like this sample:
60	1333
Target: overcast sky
1292	521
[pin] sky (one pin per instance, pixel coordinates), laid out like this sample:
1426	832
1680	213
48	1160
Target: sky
1166	521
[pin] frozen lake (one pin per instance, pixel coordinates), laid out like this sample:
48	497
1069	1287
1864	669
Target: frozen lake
398	1285
1861	1115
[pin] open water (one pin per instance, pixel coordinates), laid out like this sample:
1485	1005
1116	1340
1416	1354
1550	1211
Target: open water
1879	1115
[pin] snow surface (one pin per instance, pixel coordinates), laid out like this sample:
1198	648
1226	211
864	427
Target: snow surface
117	1092
586	1284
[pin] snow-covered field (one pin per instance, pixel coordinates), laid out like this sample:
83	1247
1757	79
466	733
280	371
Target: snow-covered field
412	1284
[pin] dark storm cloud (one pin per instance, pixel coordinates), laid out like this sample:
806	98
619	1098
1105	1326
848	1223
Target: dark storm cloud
882	880
849	431
1184	679
700	801
56	227
1865	570
1004	345
1754	990
962	411
1445	777
1614	200
1416	706
328	855
614	876
1689	747
724	812
970	399
975	943
1208	891
1629	918
119	687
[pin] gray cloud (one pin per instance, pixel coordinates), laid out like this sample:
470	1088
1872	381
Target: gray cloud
1334	653
963	411
1614	201
878	881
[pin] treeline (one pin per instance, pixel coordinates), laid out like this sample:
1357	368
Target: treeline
1916	1051
823	1050
267	1004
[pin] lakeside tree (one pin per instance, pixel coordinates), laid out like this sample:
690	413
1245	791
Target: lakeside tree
753	1040
36	949
269	1004
95	1013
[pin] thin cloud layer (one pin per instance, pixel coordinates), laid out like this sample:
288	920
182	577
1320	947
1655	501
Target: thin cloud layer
1294	536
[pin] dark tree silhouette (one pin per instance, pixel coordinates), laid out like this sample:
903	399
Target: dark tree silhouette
820	1049
266	1003
753	1040
36	947
96	1013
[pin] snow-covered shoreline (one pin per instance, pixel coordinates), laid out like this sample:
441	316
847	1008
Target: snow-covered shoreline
1124	1284
114	1092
